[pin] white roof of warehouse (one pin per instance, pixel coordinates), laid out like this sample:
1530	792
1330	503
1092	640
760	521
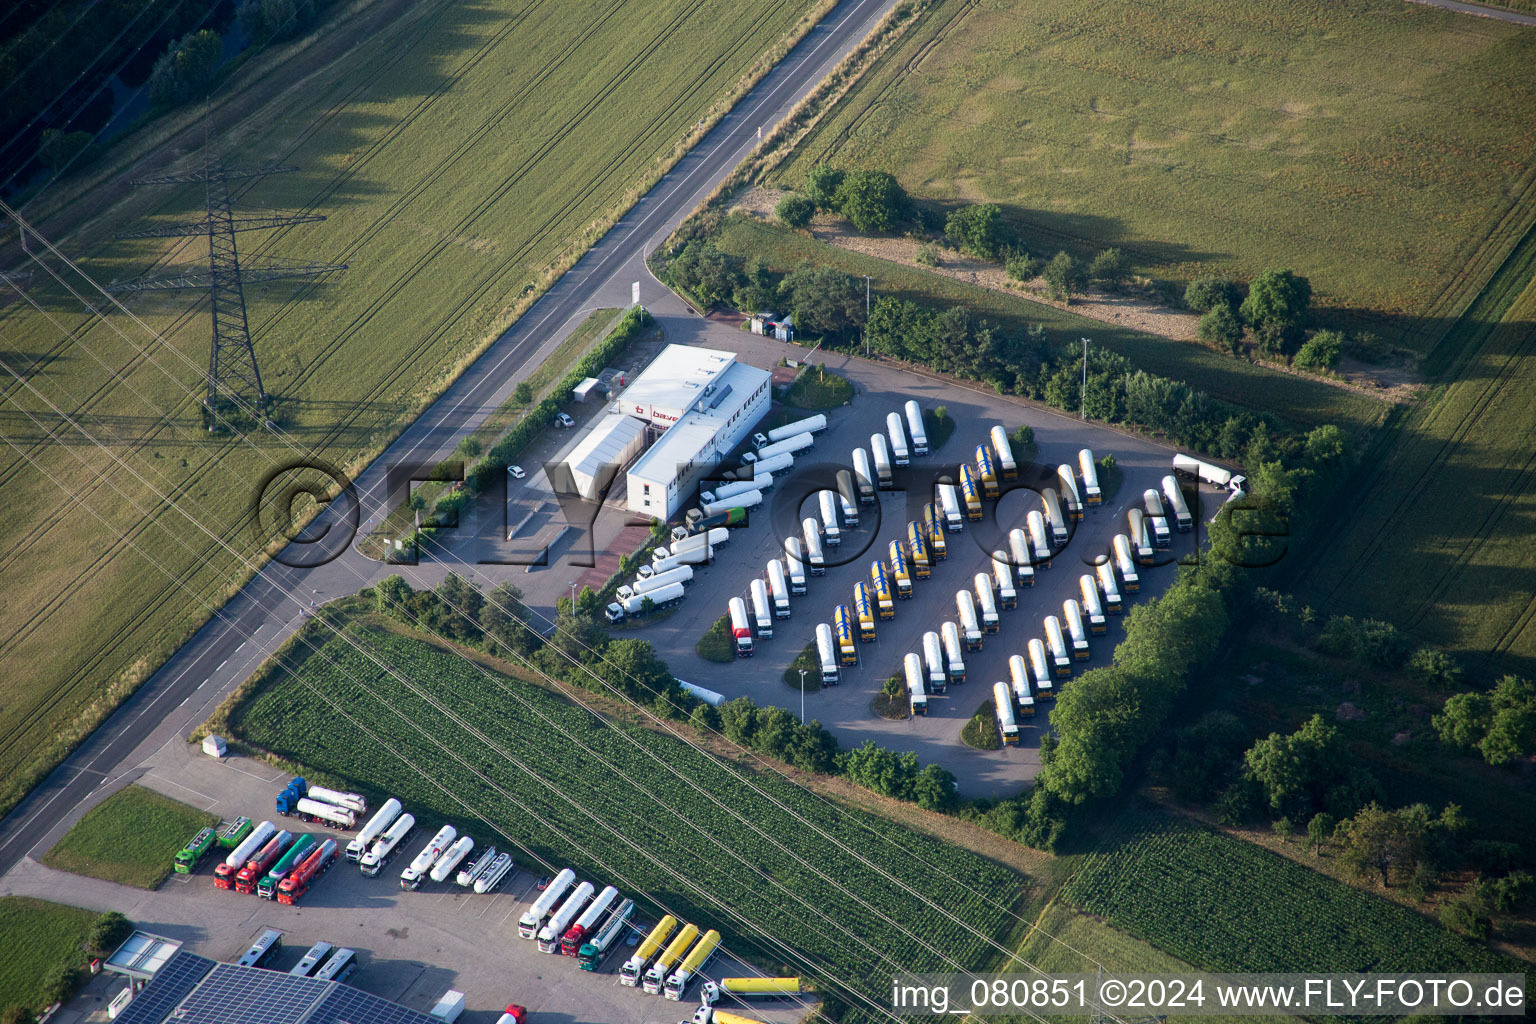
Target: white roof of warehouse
607	443
686	438
677	375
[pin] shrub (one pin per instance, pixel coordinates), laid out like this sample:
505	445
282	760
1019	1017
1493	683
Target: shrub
107	933
186	69
1110	268
1367	347
523	393
1220	326
1064	277
928	254
1321	351
978	229
821	185
795	210
1430	666
1277	309
1021	266
1205	294
872	200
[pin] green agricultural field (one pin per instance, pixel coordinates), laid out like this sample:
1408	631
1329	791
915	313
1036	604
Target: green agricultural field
1221	904
1304	401
642	810
131	837
459	153
1378	147
38	938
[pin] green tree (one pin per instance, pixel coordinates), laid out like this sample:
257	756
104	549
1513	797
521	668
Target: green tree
1021	266
1205	754
821	185
392	597
57	149
1319	830
186	69
978	229
107	932
523	393
1322	351
1277	309
1297	771
822	299
504	618
1206	293
934	788
758	287
705	718
1500	725
710	275
1220	326
1064	277
872	200
18	1014
1382	842
60	983
1431	666
795	210
1110	268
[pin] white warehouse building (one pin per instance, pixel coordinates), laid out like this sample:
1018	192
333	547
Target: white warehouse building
705	403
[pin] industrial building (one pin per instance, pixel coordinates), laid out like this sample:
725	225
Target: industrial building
702	402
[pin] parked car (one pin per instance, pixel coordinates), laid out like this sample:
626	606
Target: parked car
562	420
517	472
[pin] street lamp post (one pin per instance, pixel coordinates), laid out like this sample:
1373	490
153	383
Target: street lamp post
1082	409
573	599
802	696
866	316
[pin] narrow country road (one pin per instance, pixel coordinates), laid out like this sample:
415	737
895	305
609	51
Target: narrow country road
1478	10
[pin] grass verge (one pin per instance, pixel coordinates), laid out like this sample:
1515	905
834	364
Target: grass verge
809	660
130	837
717	644
981	731
817	389
38	938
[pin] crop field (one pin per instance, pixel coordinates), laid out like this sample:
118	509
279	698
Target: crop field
858	895
458	153
1304	401
1445	513
1221	904
38	937
1380	148
130	837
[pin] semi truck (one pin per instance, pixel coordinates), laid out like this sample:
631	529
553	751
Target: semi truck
1125	563
880	582
574	937
224	874
986	472
864	476
1066	480
814	559
970	492
933	660
728	489
630	973
495	874
933	526
635	604
261	862
1005	461
656	581
880	450
848	497
656	975
778	588
864	608
266	887
791	445
1111	587
779	463
901	573
1002	576
745	500
1141	538
451	859
696	960
1023	562
1007	725
1040	666
1191	468
916	429
954	651
1176	504
296	884
970	628
1039	538
1061	661
592	953
411	877
741	627
1053	517
794	566
987	603
386	846
826	503
898	436
563	917
826	653
762	609
1018	675
922	565
1090	471
917	696
810	425
474	869
1093	609
191	855
1154	502
1072	612
233	833
949	502
842	626
382	818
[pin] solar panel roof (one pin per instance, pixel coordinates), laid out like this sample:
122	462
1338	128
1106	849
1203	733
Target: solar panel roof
171	983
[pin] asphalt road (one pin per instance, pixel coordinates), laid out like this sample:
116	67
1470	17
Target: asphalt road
266	611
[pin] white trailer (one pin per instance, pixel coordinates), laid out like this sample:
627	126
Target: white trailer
1125	563
1002	576
411	877
528	925
1006	465
826	503
741	627
560	920
881	448
747	499
1140	537
954	651
679	574
387	845
495	874
354	802
1110	586
471	872
1067	481
794	565
451	859
898	438
250	844
383	818
810	425
762	610
1018	675
1061	661
764	467
329	813
1045	687
1085	464
1161	537
814	559
1040	538
778	586
697	545
917	697
1007	724
711	697
1194	469
791	445
634	604
1175	495
1023	561
864	476
450	1007
916	429
731	488
949	504
1092	607
933	658
848	497
671	561
1053	517
970	628
826	653
1073	613
985	599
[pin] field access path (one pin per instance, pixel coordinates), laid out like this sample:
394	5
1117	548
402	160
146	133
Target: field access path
265	612
1496	13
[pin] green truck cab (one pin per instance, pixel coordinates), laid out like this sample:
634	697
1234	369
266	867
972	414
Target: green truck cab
193	853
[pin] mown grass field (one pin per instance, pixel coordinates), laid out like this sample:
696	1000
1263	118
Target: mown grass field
1305	401
855	893
130	837
1378	147
458	153
37	937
